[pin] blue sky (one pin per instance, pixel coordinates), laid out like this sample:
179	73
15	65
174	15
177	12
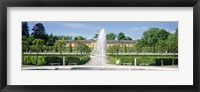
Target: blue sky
88	29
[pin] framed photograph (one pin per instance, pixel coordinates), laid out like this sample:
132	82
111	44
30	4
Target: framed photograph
74	45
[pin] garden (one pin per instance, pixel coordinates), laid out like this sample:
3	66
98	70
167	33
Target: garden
151	60
47	60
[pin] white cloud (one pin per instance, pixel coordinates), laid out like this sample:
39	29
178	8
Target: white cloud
76	25
80	25
73	34
139	28
171	31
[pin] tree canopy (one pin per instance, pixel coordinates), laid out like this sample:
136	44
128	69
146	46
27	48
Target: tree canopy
128	38
25	29
79	38
110	36
151	36
38	31
120	36
59	45
37	44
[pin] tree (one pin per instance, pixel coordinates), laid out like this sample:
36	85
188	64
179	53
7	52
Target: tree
79	38
30	40
70	48
46	38
87	49
80	47
176	41
147	49
121	36
25	30
137	47
125	49
38	31
67	37
59	45
51	40
110	36
173	43
109	50
56	37
38	44
128	38
25	46
116	48
84	48
151	36
161	46
63	37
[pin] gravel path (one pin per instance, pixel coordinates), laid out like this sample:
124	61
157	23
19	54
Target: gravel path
96	60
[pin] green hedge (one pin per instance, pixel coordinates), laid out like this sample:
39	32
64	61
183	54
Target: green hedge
33	59
112	59
53	59
46	60
126	60
149	61
166	61
77	60
143	60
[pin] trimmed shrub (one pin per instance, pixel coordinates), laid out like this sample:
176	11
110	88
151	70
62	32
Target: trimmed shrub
148	61
72	59
142	60
26	60
81	59
41	60
32	60
112	59
46	60
166	61
53	59
126	60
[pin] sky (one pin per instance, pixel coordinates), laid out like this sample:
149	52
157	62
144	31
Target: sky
134	30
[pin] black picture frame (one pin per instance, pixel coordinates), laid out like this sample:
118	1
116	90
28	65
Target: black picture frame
99	3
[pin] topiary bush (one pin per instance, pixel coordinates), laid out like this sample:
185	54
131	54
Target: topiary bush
112	59
41	60
46	60
126	60
77	59
26	60
148	61
32	60
53	59
166	61
72	59
142	60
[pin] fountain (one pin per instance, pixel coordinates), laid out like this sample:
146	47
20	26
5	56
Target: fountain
99	54
101	44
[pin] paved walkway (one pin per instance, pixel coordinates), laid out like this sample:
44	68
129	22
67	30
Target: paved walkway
96	60
119	68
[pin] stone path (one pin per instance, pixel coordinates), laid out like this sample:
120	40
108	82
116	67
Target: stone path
96	60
